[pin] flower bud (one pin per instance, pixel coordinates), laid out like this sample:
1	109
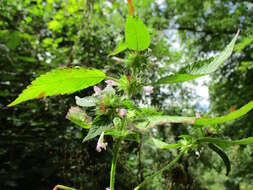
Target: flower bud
111	83
122	112
148	89
97	90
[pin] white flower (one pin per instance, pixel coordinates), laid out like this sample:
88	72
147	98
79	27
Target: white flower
107	188
111	83
148	89
97	90
100	144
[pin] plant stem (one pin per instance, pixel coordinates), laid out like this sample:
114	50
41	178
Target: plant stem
114	163
167	167
115	157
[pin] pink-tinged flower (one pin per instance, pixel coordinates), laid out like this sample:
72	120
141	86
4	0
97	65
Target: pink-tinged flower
122	112
107	188
197	115
97	90
148	89
111	83
101	144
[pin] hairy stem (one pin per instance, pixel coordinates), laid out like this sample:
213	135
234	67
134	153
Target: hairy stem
167	167
115	157
114	163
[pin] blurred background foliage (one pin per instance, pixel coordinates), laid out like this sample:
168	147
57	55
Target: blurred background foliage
40	148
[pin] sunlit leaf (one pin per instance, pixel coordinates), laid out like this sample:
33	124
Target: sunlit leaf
136	34
174	78
153	121
60	81
222	142
231	116
122	46
206	67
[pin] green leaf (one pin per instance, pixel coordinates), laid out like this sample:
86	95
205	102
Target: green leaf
174	78
163	120
136	34
95	131
201	68
60	81
219	60
231	116
222	142
162	145
244	43
88	101
223	156
153	121
122	46
79	117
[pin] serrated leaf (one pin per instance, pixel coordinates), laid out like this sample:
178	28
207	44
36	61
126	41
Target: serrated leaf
88	101
79	117
136	34
225	143
231	116
60	81
153	121
174	78
207	66
122	46
95	131
163	120
162	145
223	156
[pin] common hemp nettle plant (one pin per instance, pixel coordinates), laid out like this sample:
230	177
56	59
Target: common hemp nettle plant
114	112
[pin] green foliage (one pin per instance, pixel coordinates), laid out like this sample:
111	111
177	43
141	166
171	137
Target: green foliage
231	116
225	143
223	156
136	34
95	131
208	67
246	41
154	121
60	81
122	46
58	33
